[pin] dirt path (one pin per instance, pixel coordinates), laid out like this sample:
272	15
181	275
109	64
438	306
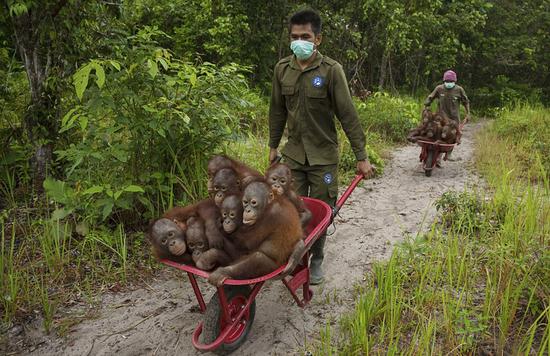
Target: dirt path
160	319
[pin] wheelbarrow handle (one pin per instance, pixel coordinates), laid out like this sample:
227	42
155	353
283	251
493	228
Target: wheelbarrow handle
347	193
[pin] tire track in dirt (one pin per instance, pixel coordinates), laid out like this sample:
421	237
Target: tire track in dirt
160	320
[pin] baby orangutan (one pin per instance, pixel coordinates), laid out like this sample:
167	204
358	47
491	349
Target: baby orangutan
245	173
204	257
267	239
450	133
225	182
280	178
232	213
168	241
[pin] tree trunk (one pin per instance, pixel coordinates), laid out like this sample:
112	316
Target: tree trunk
39	121
383	66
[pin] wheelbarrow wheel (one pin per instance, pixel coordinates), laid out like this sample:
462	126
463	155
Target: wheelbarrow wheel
237	297
429	163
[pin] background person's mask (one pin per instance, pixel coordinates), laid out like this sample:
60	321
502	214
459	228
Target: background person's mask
449	85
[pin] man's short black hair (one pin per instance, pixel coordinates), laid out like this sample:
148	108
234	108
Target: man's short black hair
304	17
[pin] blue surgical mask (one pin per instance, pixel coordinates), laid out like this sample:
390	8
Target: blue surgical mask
302	49
449	85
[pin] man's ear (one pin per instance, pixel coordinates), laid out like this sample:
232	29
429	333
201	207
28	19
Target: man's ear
318	39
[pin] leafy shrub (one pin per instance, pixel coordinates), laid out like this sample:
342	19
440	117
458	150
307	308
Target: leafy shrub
464	212
390	116
141	135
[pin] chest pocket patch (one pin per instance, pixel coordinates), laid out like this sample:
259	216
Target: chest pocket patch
317	88
318	81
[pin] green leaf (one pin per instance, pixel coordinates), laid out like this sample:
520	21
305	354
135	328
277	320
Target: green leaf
124	203
186	118
57	190
153	68
149	108
81	80
100	73
93	190
120	155
115	64
83	122
107	209
60	213
134	188
68	116
193	79
118	194
163	63
17	9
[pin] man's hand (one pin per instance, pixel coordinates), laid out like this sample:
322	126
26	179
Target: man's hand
273	153
365	168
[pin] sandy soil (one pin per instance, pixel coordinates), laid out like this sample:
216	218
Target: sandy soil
159	319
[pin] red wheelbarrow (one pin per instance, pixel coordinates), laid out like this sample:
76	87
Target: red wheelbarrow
229	315
432	151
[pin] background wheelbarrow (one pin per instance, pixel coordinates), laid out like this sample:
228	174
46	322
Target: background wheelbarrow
431	152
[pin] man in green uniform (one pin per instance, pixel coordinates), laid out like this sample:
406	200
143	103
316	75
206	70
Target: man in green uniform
308	90
449	95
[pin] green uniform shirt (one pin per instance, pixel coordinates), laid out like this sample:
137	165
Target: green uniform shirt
307	101
448	100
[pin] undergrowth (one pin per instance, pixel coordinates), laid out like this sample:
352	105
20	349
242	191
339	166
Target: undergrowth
476	283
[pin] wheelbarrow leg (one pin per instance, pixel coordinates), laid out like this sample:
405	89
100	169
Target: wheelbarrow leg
300	278
197	291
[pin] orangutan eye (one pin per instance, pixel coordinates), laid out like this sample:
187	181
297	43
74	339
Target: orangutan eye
171	234
164	241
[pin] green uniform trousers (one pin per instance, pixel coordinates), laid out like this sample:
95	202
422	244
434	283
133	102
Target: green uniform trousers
319	182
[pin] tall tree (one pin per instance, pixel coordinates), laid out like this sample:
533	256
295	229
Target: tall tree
35	29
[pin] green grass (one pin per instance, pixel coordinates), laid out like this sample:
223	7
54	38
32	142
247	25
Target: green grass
45	263
478	282
526	128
